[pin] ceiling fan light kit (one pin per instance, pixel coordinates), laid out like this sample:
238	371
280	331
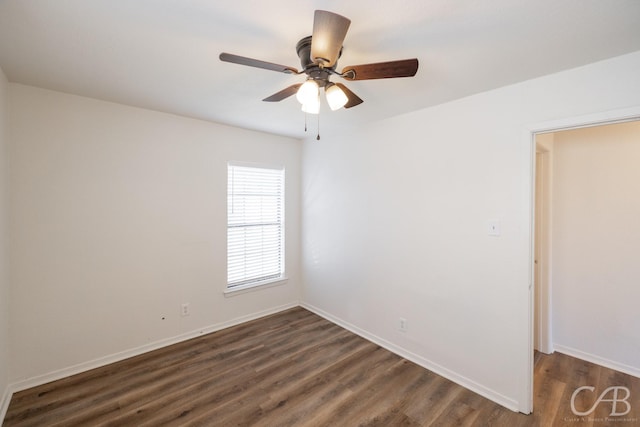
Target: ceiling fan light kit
309	96
312	105
319	54
308	92
336	98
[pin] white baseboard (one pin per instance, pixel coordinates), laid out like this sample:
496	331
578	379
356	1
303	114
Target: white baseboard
102	361
4	403
569	351
419	360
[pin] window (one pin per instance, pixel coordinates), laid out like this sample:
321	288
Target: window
255	225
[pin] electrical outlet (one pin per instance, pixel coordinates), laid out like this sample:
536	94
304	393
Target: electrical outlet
402	324
185	309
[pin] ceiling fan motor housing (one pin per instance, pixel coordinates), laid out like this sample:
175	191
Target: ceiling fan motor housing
315	71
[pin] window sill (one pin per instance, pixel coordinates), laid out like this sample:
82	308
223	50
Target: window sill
239	290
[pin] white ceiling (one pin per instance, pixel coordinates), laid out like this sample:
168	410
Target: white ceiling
163	54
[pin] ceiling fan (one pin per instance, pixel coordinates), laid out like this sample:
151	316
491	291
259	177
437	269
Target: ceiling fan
319	54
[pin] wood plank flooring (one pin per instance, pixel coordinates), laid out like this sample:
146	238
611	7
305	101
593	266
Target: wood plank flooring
297	369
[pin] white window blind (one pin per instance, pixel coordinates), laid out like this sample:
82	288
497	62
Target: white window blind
255	225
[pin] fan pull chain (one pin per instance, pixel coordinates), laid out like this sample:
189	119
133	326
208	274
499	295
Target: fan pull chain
318	137
305	122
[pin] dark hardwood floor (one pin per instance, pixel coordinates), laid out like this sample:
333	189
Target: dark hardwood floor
297	369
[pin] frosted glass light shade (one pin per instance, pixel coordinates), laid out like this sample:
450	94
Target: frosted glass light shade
336	97
312	107
308	92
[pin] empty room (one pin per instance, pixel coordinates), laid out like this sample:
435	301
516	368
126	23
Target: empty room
319	213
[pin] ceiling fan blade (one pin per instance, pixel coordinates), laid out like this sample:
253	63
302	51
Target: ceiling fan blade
381	70
353	98
329	31
284	93
242	60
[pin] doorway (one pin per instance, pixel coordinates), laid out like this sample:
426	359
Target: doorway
538	165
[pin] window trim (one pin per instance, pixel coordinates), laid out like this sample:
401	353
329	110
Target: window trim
250	287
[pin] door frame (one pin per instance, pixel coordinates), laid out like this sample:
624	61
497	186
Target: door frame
542	250
529	133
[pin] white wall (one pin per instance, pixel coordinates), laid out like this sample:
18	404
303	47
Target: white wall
596	229
4	284
395	224
118	215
